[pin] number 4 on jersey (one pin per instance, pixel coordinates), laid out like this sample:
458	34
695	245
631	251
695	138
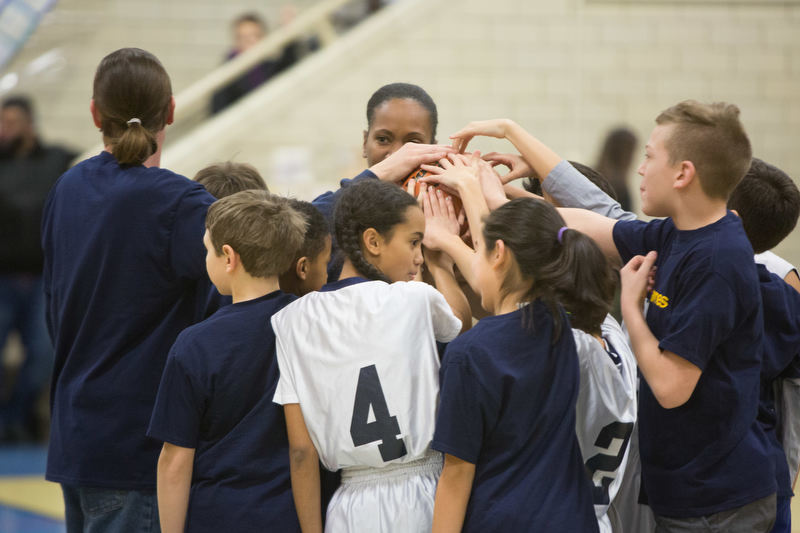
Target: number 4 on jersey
384	428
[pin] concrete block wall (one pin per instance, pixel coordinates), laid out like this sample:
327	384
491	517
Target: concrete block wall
568	70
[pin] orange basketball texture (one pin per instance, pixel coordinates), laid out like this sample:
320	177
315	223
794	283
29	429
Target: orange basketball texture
419	173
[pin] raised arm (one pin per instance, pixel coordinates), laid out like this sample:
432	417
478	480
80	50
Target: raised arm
596	226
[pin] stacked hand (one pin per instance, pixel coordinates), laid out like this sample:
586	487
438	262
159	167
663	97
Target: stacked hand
407	159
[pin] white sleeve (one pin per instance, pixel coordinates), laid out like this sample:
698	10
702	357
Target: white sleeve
285	392
446	325
775	264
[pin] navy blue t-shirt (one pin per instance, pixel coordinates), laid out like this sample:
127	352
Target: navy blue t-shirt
507	405
709	454
326	203
123	258
781	350
216	396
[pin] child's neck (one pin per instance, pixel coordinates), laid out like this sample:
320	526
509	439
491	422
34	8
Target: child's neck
246	288
698	212
349	271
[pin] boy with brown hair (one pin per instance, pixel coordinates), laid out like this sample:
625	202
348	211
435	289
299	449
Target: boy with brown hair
225	460
224	179
704	456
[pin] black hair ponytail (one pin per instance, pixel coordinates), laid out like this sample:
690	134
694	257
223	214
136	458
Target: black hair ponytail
563	265
368	204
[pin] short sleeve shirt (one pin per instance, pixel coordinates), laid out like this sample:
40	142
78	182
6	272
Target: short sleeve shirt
707	455
216	396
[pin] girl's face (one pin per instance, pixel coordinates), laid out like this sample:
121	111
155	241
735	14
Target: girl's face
400	256
394	123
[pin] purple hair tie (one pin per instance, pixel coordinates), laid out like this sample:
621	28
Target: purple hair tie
561	233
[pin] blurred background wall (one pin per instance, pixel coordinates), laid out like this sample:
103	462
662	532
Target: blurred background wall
568	70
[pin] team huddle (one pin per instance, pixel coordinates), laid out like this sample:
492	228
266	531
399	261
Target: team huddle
433	354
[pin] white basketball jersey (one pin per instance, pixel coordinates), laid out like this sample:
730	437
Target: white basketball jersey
362	363
606	410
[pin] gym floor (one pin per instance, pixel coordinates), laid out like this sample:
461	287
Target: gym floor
29	504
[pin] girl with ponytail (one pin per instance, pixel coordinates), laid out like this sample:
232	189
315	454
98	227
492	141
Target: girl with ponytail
506	419
124	255
359	368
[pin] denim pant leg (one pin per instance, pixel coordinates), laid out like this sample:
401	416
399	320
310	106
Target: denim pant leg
111	511
37	366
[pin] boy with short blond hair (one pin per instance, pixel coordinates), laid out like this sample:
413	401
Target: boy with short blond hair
225	464
704	455
224	179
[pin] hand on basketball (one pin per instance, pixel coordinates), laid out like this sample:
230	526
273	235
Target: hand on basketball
635	278
408	158
441	220
516	164
487	128
454	171
491	185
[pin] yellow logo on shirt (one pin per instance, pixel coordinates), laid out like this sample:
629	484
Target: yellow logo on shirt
659	299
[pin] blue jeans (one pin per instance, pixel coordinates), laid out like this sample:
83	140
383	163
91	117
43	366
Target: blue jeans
97	510
22	308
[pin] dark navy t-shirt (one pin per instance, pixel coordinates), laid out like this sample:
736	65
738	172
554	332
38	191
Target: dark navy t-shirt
123	258
216	396
507	405
781	350
709	454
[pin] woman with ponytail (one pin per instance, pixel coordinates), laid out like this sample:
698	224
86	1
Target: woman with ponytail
359	368
123	244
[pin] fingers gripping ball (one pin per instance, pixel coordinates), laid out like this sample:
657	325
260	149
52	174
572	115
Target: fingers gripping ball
419	173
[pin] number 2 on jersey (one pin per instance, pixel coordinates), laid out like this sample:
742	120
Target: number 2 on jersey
384	427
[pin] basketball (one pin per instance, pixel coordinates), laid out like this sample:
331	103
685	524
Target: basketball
419	173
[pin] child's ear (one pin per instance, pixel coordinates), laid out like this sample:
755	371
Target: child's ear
301	268
686	176
372	241
232	259
171	114
499	257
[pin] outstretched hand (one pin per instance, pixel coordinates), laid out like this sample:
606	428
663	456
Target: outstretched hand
397	166
636	278
454	171
487	128
516	164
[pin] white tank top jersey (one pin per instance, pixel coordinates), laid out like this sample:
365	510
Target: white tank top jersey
362	363
775	263
606	410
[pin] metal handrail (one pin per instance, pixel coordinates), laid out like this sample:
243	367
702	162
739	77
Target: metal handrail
197	96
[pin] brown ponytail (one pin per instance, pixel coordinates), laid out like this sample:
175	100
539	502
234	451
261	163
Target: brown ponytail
131	84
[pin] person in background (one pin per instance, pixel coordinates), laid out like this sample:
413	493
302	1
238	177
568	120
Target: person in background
28	168
615	162
248	30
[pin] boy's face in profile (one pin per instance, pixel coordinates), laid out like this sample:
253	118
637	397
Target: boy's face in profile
658	174
318	269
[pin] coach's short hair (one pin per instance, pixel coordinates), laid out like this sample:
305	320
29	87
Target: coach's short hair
768	202
712	137
262	228
224	179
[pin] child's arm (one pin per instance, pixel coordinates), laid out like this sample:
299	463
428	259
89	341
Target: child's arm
671	377
598	227
441	220
304	465
793	280
174	479
452	494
